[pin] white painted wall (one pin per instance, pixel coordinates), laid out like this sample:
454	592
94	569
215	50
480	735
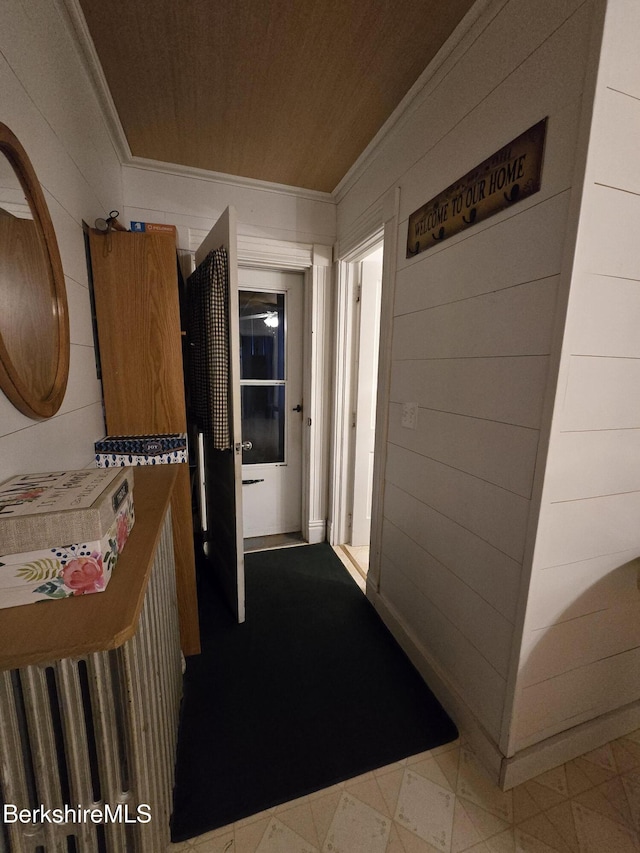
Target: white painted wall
473	333
45	99
581	646
194	203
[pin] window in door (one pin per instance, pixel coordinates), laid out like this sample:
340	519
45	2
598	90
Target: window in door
263	376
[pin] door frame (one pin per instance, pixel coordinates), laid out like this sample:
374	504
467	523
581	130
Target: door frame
365	390
315	262
380	223
290	468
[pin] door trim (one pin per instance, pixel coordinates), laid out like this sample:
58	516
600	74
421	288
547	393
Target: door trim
315	262
379	223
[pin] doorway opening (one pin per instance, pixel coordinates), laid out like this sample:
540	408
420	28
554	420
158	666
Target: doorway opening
359	309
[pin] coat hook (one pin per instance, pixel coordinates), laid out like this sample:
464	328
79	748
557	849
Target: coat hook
514	194
105	225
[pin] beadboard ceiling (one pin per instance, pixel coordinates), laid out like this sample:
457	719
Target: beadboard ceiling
289	91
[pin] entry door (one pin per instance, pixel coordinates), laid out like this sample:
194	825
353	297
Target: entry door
367	379
223	468
270	305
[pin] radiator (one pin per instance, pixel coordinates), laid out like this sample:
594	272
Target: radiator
97	733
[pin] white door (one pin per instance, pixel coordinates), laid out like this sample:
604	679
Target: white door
367	383
222	469
270	311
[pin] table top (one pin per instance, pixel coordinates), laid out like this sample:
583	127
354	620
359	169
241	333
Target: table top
71	627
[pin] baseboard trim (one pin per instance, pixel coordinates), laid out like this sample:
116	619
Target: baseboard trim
567	745
317	532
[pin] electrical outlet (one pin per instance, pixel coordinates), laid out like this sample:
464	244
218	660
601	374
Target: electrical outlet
410	415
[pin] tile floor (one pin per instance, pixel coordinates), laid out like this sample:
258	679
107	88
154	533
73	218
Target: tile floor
357	569
443	801
359	556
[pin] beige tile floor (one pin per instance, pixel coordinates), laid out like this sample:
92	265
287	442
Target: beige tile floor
359	556
443	801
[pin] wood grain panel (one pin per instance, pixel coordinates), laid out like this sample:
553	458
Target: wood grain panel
136	299
27	323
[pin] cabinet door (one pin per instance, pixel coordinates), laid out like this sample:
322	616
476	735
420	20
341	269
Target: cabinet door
136	298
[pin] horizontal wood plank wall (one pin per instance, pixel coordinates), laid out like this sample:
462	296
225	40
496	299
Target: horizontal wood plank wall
138	314
581	653
42	85
472	337
196	201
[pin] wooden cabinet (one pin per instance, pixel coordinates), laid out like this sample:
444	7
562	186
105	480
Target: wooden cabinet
138	318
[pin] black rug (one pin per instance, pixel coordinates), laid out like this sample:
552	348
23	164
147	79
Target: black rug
311	690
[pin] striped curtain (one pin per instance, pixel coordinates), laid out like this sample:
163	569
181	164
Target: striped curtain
208	301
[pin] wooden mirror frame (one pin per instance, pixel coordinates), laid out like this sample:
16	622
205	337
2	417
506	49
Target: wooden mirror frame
28	400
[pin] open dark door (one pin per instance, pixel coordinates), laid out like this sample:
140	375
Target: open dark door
221	469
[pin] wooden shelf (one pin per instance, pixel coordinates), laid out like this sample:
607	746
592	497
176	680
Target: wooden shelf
72	627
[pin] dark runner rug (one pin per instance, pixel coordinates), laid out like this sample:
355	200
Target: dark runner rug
311	690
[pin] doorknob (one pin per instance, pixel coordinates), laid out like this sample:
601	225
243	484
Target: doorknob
247	445
297	408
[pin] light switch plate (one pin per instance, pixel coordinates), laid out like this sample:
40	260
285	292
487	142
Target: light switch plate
410	415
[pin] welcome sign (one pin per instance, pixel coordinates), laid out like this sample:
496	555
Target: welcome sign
509	175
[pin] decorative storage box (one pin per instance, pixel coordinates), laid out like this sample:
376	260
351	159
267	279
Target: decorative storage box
61	532
116	450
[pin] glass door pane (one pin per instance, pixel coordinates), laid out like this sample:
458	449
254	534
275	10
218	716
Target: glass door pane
262	336
263	423
263	376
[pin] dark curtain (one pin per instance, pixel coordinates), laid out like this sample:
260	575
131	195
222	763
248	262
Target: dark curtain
208	326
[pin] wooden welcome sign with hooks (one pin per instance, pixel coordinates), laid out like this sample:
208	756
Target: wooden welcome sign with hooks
510	175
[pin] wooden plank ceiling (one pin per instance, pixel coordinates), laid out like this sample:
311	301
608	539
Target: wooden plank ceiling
290	91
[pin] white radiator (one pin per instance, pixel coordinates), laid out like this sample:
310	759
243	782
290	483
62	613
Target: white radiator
97	733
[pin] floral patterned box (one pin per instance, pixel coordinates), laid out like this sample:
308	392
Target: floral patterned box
76	569
61	532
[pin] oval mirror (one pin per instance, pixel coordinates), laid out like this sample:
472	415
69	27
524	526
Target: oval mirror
34	322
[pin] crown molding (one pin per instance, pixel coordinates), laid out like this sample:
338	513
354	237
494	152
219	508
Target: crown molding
223	178
264	251
420	90
73	17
